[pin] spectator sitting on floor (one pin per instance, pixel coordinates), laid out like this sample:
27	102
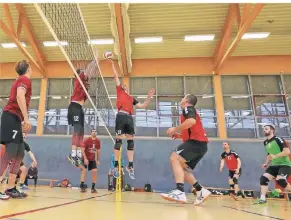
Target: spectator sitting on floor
32	174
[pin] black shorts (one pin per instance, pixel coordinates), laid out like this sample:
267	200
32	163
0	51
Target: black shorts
232	172
192	151
124	124
279	170
11	129
91	165
76	117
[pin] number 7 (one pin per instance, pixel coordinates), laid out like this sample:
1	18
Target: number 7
14	133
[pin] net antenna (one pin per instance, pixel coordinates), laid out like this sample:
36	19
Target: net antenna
66	24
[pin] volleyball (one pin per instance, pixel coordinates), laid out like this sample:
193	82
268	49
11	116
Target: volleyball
107	55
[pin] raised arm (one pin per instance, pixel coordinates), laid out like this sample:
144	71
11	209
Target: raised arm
115	73
146	102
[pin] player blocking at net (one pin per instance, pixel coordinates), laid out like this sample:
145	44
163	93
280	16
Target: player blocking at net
188	154
124	124
233	163
75	110
14	120
280	164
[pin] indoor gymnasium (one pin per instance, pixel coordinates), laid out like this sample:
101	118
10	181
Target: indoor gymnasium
125	111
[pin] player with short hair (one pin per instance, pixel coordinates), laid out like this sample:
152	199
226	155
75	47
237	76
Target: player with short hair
124	124
14	120
233	163
75	110
280	164
188	154
91	159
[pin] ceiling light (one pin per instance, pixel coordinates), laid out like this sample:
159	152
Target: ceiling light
140	40
207	37
11	45
54	43
112	97
35	97
258	35
57	97
143	97
207	96
101	41
239	96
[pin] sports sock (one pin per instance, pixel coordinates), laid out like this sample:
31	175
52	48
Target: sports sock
180	186
197	186
93	185
74	153
79	153
82	183
130	164
116	163
263	197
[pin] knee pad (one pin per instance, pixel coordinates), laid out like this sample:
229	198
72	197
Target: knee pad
282	182
235	180
264	181
130	145
118	143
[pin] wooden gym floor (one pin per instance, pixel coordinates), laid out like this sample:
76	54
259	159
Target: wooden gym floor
46	203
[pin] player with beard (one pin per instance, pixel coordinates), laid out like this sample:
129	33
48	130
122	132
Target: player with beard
277	165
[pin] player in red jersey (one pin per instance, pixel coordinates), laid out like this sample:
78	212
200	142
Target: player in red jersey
91	156
187	155
124	122
75	111
233	163
14	119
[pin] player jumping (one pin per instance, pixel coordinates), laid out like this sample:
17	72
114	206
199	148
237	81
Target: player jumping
14	119
280	167
233	162
91	156
75	111
124	122
188	154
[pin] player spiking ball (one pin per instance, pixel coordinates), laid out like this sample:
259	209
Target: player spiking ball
75	110
124	125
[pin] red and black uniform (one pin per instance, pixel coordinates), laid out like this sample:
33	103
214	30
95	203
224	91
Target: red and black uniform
75	110
91	146
195	140
231	162
124	104
11	129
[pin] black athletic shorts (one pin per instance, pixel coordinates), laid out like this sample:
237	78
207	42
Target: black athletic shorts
76	117
91	165
124	124
192	151
232	172
279	171
11	129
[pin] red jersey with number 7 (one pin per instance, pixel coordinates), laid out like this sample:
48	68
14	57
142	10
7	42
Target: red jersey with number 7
230	159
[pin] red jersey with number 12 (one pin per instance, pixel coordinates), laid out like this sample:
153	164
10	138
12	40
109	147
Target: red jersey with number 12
91	146
196	132
230	159
12	105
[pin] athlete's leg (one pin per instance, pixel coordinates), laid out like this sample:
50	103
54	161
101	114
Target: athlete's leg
83	177
23	174
282	178
264	181
4	174
94	180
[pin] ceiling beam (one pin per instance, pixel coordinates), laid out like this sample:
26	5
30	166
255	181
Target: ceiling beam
9	17
19	26
226	33
13	38
238	15
37	50
120	29
247	22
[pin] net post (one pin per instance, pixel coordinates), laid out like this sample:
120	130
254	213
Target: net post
119	179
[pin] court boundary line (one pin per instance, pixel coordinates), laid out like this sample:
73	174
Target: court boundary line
51	207
253	213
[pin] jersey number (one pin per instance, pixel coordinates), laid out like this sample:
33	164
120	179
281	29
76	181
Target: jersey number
229	157
76	118
14	133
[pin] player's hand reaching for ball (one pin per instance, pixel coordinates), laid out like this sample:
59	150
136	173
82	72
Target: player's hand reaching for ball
171	131
26	126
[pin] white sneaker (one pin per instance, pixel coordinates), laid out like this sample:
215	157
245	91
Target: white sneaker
175	196
3	196
202	196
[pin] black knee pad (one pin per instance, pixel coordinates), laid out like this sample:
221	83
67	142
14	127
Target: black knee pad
264	181
118	143
282	182
235	180
130	145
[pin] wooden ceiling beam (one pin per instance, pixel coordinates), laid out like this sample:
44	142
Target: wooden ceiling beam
19	26
13	38
120	29
9	17
247	22
37	50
